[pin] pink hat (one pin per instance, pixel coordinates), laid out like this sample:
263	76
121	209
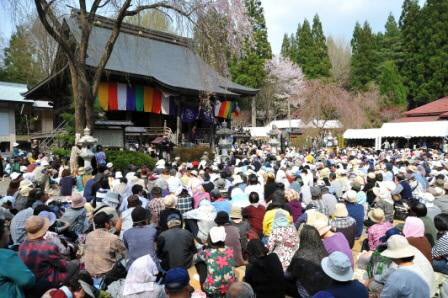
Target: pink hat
413	227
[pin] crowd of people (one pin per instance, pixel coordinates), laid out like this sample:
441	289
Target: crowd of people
350	223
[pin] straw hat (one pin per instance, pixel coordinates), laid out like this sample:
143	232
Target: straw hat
170	201
398	247
25	187
36	227
340	210
312	216
438	191
81	171
350	196
376	215
322	226
428	199
291	194
236	213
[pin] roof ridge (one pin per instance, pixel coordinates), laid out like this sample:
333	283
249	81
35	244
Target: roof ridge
107	23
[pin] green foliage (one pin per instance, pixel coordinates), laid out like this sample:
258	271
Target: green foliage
321	61
391	85
365	58
249	70
61	152
122	159
425	42
193	153
391	47
19	63
309	49
286	46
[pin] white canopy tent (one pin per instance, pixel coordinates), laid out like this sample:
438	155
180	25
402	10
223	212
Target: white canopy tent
435	129
361	134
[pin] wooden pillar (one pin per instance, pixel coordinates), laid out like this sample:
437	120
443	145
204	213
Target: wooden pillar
254	112
178	122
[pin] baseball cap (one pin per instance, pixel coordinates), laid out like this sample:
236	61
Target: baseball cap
176	279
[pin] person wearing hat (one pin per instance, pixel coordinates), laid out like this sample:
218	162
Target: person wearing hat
43	258
408	280
15	277
441	197
237	220
25	187
419	210
175	246
51	235
338	267
75	217
432	209
342	222
177	283
317	202
103	249
233	237
219	262
378	229
355	210
294	204
170	202
140	239
329	199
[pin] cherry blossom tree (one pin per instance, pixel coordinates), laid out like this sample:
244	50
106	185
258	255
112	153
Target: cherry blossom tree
286	81
85	81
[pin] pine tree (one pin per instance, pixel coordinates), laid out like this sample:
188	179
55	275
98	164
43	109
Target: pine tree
432	59
321	59
293	47
260	31
249	69
391	84
19	65
391	48
286	46
305	49
409	25
364	66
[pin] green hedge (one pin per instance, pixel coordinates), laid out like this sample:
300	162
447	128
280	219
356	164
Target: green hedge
122	159
193	153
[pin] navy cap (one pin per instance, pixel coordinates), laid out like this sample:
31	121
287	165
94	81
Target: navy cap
176	279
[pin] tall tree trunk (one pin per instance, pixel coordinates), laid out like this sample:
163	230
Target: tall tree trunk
80	120
254	112
89	109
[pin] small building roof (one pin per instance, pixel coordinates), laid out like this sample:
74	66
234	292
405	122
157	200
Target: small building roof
13	92
415	129
437	107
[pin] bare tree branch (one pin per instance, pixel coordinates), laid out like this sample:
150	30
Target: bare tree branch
55	29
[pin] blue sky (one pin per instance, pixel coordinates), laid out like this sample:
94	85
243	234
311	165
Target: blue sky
338	16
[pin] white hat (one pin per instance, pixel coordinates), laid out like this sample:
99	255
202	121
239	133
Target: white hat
398	247
15	144
428	198
23	169
14	175
217	234
109	165
44	163
118	175
350	196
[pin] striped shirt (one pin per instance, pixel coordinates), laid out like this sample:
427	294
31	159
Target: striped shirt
440	248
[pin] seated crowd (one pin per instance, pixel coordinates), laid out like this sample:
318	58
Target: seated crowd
359	223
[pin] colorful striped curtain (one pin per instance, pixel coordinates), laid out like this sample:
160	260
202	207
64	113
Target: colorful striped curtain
225	109
122	97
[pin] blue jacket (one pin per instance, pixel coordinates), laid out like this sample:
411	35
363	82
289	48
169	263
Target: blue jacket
357	212
14	275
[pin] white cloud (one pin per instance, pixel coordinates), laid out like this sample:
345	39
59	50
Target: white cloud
338	17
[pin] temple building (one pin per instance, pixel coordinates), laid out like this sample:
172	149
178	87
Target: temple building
152	85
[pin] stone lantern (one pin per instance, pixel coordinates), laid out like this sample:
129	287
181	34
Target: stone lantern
225	141
273	138
87	142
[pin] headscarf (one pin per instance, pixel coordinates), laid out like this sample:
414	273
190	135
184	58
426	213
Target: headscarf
141	276
280	219
413	227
